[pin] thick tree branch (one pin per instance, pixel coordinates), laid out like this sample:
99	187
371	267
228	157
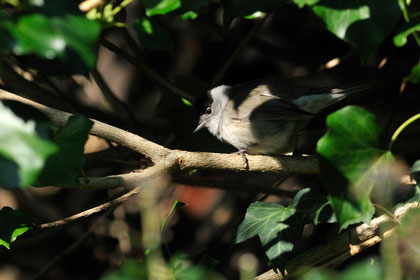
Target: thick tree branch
341	247
177	159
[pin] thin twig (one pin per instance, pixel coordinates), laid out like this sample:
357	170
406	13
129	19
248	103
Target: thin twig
71	248
95	210
142	65
220	74
121	109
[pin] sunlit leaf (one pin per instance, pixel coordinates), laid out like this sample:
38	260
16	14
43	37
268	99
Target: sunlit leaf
52	37
12	224
22	152
240	8
160	7
365	23
348	153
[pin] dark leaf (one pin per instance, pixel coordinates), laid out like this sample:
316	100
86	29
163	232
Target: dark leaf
63	167
153	36
278	227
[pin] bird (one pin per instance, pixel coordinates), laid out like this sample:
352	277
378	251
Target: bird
265	116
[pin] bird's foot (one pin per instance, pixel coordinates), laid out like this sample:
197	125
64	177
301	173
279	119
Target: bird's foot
242	153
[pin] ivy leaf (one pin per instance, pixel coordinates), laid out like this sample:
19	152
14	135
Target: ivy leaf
152	35
51	38
63	167
278	227
239	8
12	224
365	23
349	153
22	152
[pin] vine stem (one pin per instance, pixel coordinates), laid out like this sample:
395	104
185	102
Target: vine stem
387	212
407	19
401	128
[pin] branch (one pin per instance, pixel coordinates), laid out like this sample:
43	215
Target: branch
341	247
100	129
237	51
95	210
69	250
141	64
176	159
120	108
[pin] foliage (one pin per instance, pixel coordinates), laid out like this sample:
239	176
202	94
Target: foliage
50	40
19	142
13	223
279	227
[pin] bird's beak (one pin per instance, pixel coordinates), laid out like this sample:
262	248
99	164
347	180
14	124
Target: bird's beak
200	126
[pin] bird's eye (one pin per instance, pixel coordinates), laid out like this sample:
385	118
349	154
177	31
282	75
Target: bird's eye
208	110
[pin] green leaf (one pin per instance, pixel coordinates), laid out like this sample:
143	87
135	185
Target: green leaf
160	7
363	270
401	38
12	224
239	8
414	76
63	167
51	38
22	152
349	153
35	34
365	23
278	227
80	35
152	35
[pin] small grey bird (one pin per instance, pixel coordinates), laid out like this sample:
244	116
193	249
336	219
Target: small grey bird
265	116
